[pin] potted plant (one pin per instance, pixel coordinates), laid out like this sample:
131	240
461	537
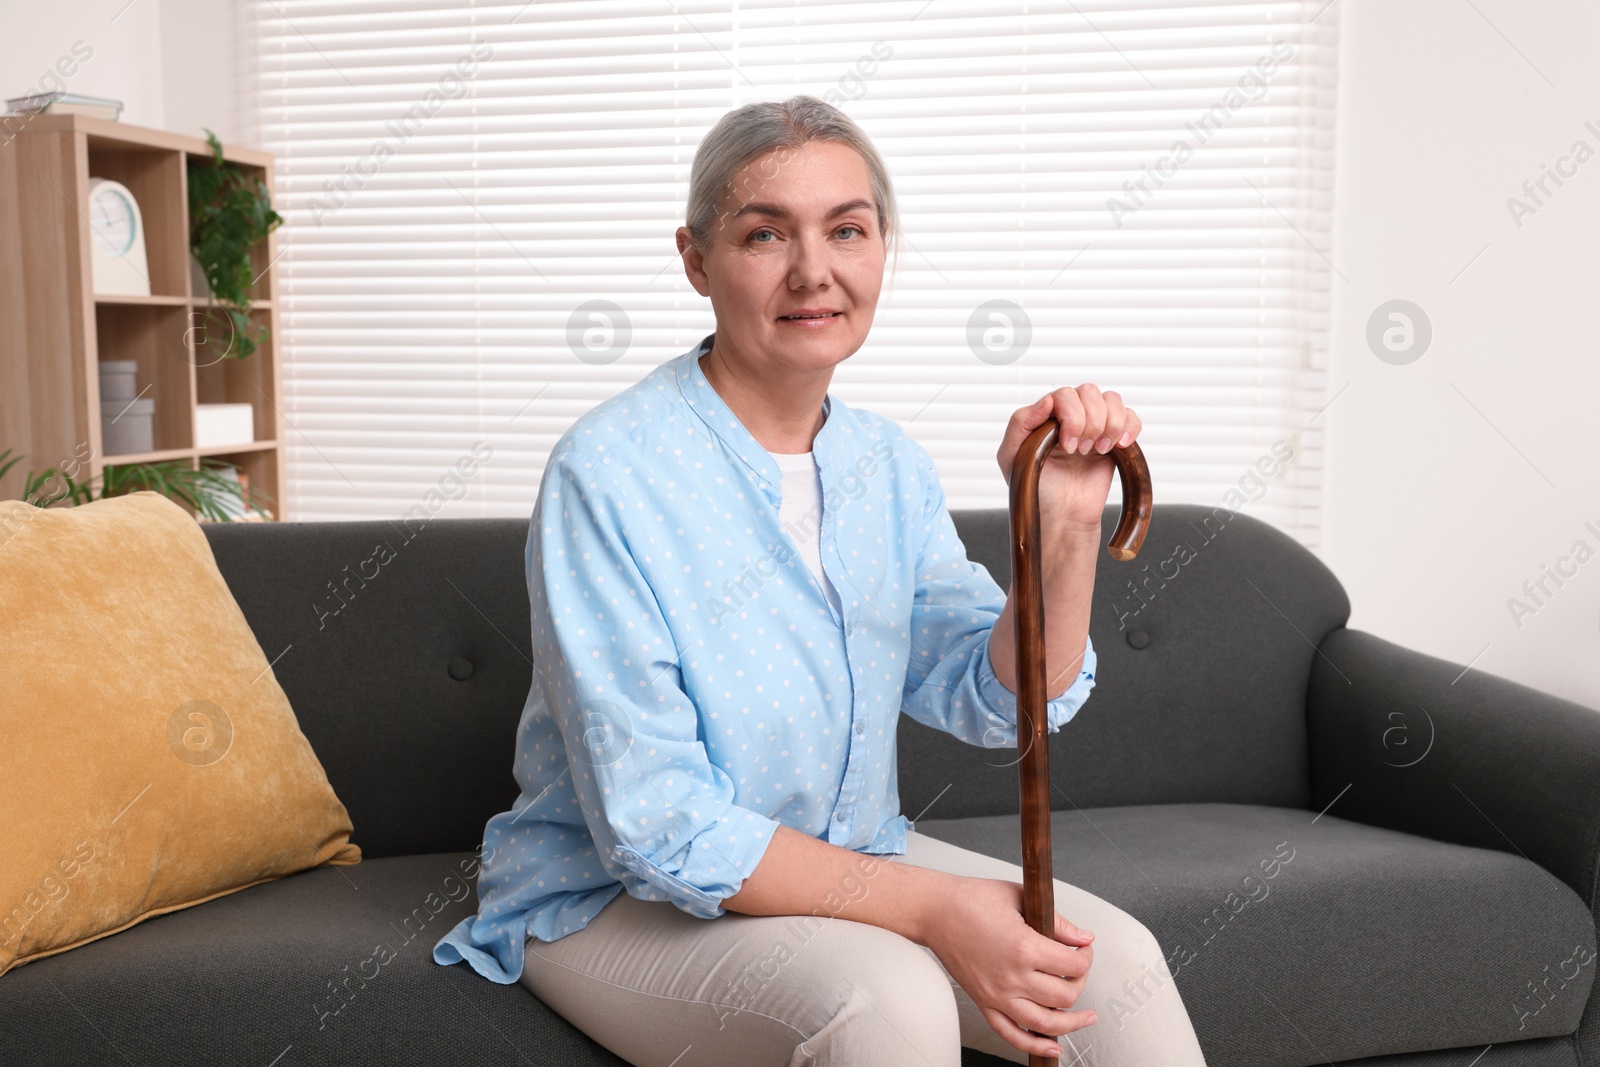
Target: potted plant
229	211
212	491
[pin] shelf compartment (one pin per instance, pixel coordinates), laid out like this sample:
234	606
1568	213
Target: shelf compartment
154	336
261	466
261	252
156	179
234	380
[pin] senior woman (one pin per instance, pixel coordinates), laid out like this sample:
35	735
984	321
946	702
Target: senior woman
738	583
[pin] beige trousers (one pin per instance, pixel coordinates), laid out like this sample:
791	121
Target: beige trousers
662	988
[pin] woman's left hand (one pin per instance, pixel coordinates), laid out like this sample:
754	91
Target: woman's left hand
1076	476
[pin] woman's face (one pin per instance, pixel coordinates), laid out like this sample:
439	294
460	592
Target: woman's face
796	231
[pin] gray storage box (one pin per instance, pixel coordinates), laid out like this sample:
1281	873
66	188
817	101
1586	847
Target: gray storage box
119	380
127	425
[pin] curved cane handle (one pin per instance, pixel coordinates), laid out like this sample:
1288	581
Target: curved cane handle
1027	580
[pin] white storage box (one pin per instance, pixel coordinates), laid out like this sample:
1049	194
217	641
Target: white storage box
223	424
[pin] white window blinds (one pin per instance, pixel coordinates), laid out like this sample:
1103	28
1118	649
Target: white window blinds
1141	189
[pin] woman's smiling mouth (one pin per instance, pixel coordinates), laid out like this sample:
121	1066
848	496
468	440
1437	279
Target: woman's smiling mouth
812	319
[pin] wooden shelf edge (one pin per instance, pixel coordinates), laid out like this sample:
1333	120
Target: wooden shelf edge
123	459
203	302
161	455
228	450
105	133
143	301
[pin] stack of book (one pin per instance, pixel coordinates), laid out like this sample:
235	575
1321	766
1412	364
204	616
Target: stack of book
65	103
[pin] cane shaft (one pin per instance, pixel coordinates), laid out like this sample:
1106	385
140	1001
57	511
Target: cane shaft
1027	581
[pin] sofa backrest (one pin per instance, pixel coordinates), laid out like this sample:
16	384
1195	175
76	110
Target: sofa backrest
1204	644
404	650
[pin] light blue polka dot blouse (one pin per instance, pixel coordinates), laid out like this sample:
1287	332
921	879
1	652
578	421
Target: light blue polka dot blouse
693	685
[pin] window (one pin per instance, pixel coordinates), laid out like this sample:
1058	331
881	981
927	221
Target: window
1138	190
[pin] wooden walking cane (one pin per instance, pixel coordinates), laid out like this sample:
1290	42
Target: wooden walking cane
1027	578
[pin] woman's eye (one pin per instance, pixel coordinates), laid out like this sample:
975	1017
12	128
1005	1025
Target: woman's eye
851	231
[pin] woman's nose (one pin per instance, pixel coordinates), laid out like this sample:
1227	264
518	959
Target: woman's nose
809	263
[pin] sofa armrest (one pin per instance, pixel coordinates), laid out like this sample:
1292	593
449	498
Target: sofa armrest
1406	741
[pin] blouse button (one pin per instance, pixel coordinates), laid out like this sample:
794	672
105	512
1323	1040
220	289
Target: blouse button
861	728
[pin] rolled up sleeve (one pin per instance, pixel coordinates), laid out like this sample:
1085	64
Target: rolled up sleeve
1000	703
665	819
950	680
709	866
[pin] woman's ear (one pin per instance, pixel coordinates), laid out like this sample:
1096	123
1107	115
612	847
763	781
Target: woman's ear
694	262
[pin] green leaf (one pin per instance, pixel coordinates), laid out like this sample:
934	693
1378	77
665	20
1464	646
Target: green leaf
230	211
206	489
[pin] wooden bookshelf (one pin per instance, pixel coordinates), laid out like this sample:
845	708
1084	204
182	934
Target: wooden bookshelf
54	330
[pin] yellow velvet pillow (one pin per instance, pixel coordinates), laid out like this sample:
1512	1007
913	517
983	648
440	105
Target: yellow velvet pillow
149	760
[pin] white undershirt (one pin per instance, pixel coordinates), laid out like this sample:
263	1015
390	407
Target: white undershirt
801	512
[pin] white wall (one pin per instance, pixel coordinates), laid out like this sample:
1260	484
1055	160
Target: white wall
123	41
1454	479
172	63
199	68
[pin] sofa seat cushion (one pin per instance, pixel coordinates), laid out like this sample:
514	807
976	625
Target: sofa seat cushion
1372	941
329	966
1422	945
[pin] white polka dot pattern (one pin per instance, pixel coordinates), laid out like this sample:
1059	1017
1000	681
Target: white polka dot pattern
695	687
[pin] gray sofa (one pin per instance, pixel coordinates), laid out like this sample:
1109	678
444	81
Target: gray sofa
1348	852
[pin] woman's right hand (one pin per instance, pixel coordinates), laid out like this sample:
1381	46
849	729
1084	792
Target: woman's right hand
1019	979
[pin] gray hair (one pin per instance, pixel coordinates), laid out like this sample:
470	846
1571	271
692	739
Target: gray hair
751	131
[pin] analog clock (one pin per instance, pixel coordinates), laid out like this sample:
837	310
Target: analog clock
116	240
